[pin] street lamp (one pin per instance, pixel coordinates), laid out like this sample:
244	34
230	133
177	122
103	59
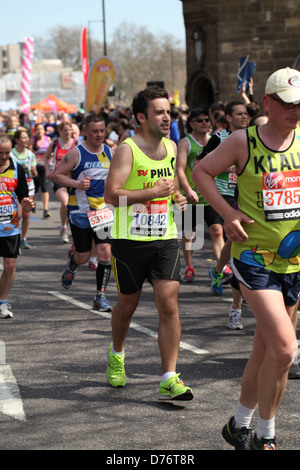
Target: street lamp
104	29
104	32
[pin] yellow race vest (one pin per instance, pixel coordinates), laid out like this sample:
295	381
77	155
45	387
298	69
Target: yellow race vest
151	220
269	193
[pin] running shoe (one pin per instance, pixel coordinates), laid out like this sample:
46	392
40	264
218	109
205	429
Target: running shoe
63	236
235	319
67	277
4	310
227	275
216	282
101	304
239	438
25	244
46	214
92	266
189	275
265	443
174	389
115	371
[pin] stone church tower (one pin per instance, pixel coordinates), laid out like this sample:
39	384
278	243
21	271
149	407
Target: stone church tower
219	32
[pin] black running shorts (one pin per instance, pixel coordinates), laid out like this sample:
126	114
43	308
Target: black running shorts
82	238
258	278
9	246
133	262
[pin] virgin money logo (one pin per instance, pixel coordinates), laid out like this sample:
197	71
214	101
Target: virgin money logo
274	180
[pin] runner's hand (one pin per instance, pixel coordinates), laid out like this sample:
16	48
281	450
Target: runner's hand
164	187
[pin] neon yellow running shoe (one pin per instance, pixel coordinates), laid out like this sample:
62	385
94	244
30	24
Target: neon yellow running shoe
115	371
174	389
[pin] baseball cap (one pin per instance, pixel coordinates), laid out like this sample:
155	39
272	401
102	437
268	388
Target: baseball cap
286	83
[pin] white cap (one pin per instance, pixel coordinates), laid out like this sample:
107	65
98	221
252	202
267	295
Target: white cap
286	83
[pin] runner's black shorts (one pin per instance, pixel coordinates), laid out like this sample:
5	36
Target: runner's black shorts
9	246
83	237
133	262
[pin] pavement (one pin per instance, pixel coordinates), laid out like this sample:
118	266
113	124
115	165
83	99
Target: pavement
53	356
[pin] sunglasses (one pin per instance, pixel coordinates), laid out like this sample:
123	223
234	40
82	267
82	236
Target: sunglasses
201	120
284	104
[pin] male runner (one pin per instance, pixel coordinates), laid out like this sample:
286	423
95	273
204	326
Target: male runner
13	188
140	185
188	149
265	248
84	171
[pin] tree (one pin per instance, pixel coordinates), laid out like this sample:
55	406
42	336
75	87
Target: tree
139	56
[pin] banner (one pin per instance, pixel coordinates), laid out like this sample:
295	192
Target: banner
26	74
100	79
84	54
245	72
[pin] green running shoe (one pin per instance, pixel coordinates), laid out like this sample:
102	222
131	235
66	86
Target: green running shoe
174	389
115	371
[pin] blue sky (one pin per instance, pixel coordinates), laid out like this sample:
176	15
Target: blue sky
35	18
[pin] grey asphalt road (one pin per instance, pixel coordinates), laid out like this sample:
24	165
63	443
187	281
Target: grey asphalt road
56	355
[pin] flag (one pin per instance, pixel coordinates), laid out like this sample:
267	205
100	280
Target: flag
245	72
100	80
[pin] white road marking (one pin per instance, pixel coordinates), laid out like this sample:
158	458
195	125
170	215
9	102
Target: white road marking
133	325
10	399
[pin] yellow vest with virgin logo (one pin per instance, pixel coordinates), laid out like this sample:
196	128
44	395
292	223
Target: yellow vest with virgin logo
269	193
151	220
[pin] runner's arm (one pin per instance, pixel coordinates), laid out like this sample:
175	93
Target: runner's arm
63	172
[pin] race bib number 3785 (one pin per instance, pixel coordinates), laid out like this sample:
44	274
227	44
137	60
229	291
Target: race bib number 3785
281	195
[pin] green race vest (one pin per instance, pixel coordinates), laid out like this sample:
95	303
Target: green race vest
195	148
269	193
151	220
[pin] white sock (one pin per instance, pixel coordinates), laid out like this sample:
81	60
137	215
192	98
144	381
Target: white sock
243	416
167	375
265	427
121	353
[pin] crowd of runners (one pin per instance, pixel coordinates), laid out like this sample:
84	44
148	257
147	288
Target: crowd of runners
119	176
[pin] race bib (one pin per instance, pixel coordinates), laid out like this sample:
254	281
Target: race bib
6	208
232	178
30	184
281	195
150	219
100	219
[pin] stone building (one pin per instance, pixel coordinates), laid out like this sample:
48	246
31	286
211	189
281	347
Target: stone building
219	32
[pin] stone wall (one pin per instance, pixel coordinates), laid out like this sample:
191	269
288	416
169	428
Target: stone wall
267	30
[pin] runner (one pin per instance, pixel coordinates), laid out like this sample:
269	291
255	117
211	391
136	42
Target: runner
140	185
22	155
188	149
40	144
265	248
84	170
58	148
13	189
